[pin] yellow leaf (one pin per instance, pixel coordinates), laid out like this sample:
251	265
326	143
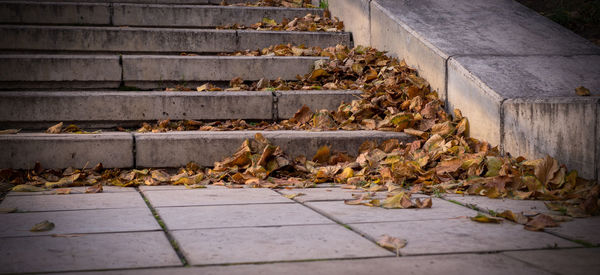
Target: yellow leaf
582	91
291	196
42	226
482	218
269	21
322	155
27	188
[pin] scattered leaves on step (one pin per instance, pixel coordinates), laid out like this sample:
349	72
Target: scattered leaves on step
42	226
71	129
273	3
482	218
9	131
582	91
392	243
310	22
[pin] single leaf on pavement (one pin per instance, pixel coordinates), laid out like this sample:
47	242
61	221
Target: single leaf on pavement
56	129
392	243
482	218
539	222
97	188
582	91
515	217
27	188
291	196
42	226
9	131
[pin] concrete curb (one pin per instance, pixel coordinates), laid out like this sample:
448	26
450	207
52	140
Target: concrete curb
174	149
41	109
130	14
483	57
143	39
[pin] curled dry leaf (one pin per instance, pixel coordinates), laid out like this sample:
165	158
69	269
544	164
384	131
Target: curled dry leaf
96	188
9	131
392	243
539	222
482	218
42	226
582	91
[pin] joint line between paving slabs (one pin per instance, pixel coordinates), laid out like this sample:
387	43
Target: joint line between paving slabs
160	222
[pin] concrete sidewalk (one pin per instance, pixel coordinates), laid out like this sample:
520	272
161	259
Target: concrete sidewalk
216	230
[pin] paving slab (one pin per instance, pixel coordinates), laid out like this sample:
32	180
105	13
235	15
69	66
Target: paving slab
344	213
79	222
200	15
286	243
562	261
175	149
86	252
461	235
251	215
500	205
59	70
75	190
427	33
289	102
121	107
467	264
23	150
529	106
22	12
74	202
198	197
141	70
328	194
585	229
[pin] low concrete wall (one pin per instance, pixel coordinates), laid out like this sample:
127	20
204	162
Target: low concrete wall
511	71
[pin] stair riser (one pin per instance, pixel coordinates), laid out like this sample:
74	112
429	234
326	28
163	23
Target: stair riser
163	40
96	109
140	14
173	149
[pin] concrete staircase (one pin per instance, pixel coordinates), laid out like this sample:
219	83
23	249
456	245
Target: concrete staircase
102	64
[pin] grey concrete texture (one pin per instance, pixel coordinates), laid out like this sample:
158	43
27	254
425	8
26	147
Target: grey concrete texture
585	229
500	205
23	150
289	102
328	194
200	16
174	149
248	215
74	202
356	17
79	222
20	69
22	12
156	68
173	2
562	261
138	39
528	105
461	235
285	243
467	264
345	213
202	196
86	252
74	190
119	107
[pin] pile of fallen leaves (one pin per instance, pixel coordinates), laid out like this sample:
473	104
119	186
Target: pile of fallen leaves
308	23
274	3
279	50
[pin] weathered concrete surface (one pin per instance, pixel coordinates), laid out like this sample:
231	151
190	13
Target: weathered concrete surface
328	194
200	16
119	107
74	202
174	2
86	252
285	243
356	17
528	104
39	70
460	235
467	264
54	13
363	214
199	197
289	102
248	215
585	229
174	149
426	33
250	39
500	205
138	39
138	70
64	150
75	190
563	261
79	221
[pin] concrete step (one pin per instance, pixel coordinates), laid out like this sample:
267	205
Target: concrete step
41	109
22	71
172	149
125	14
170	2
146	40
